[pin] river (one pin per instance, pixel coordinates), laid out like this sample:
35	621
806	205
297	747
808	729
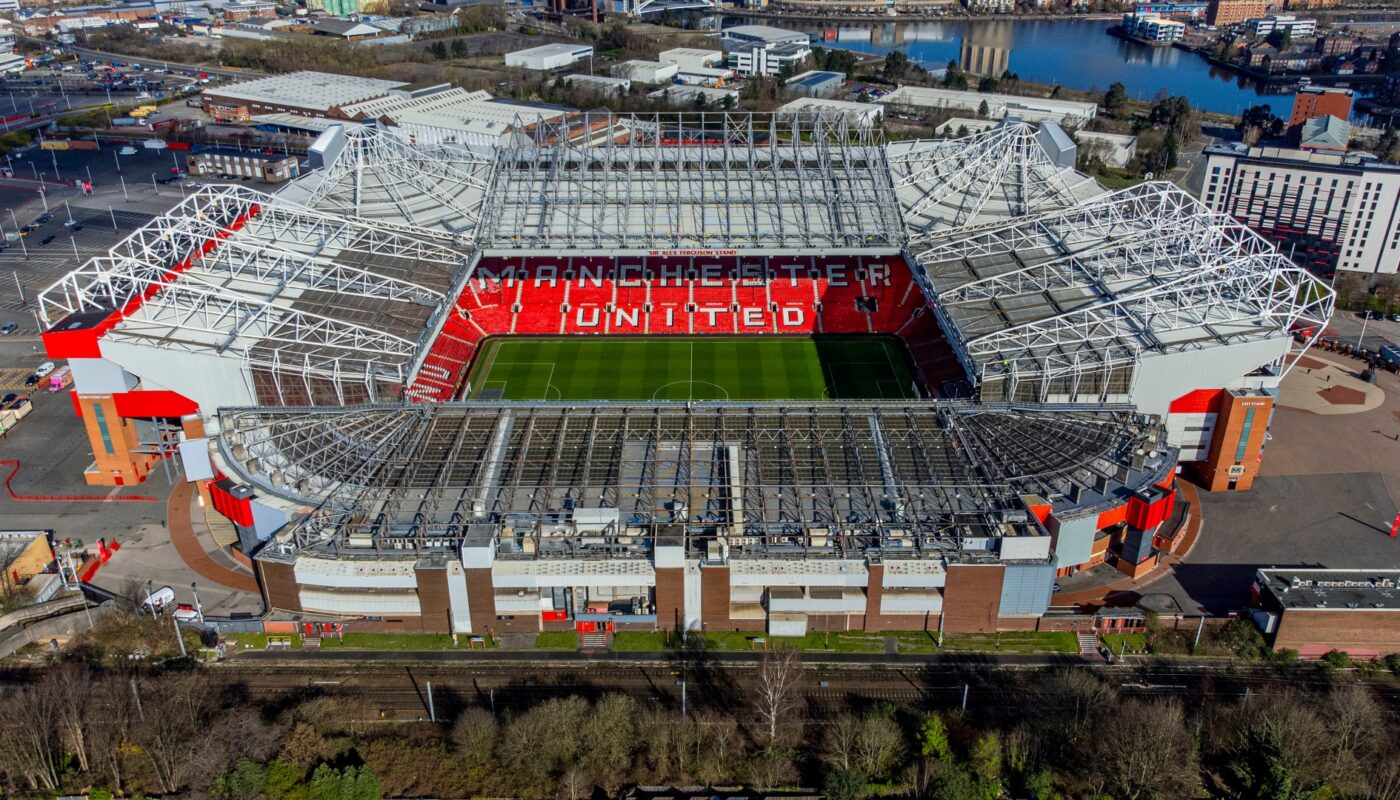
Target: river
1075	53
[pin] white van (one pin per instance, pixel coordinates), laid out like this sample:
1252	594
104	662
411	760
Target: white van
159	599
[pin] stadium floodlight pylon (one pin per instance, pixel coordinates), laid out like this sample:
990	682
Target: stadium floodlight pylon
1148	269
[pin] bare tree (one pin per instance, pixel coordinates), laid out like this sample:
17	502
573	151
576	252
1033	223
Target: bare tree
29	738
71	689
180	737
776	696
1146	751
839	741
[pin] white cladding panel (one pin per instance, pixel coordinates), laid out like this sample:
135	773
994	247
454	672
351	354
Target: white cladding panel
1025	548
457	598
1160	379
359	603
350	574
210	380
100	376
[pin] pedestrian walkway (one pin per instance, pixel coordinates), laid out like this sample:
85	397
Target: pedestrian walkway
192	552
1095	595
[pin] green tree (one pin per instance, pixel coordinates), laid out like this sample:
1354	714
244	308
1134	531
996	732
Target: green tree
844	784
246	781
1115	99
325	784
459	48
283	781
985	758
438	49
896	65
933	738
1280	38
982	109
987	84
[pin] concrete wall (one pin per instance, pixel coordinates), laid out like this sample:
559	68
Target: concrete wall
1159	378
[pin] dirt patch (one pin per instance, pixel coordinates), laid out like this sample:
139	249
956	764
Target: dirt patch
1311	363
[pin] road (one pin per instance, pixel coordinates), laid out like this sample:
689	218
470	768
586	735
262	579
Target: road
223	72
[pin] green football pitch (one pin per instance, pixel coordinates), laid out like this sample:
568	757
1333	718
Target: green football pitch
692	368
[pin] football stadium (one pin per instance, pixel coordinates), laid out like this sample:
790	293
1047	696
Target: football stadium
716	371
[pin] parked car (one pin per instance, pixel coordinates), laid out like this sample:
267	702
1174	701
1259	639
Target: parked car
76	228
127	151
32	380
46	240
44	369
8	329
43	218
7	399
70	223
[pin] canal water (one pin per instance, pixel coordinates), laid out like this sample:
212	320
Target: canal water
1075	53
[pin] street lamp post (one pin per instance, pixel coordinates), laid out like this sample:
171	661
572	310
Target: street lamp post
114	217
198	608
125	196
22	247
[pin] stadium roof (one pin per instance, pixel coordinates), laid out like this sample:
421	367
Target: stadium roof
697	180
812	478
988	177
376	176
1082	290
298	295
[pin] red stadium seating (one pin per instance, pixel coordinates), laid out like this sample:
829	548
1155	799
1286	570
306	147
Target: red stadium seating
683	295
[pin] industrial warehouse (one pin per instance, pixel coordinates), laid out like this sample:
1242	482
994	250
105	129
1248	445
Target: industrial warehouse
374	373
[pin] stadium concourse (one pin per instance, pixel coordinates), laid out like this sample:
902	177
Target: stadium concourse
452	388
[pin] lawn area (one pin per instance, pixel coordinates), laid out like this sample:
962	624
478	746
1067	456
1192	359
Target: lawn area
392	641
692	368
1134	642
557	640
640	642
1011	642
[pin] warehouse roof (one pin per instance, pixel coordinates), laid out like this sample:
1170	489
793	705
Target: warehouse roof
312	90
1332	589
764	33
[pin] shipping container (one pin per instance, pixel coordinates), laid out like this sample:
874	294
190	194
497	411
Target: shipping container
154	144
54	144
179	145
82	144
120	122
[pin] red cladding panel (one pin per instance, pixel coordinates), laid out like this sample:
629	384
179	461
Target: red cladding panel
238	510
553	616
155	403
1113	516
77	404
80	343
1147	513
1201	401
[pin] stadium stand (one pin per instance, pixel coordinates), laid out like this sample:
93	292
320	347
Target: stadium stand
678	295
